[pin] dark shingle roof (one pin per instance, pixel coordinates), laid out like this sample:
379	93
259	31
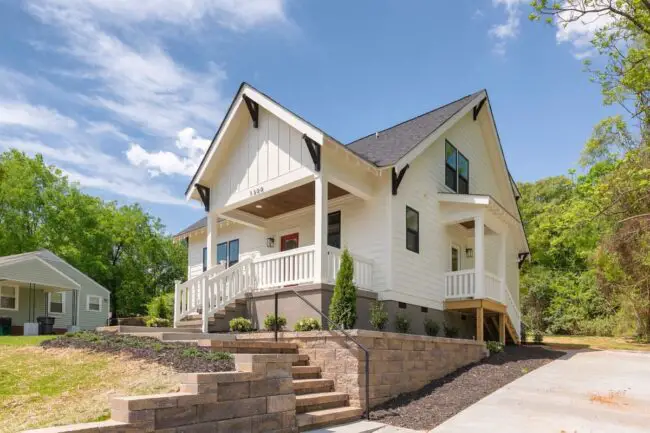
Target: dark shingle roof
391	144
195	226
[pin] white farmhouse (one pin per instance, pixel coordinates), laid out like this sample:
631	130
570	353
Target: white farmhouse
427	208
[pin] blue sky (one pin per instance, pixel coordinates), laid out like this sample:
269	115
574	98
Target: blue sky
124	95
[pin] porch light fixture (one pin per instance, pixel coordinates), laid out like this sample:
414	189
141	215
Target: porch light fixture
270	242
469	253
258	206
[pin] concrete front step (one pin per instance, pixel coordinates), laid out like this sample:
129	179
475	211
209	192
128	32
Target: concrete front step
339	415
305	372
320	401
302	360
310	386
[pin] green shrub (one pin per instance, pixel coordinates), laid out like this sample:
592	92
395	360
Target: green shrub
307	324
431	327
161	306
343	306
240	324
538	338
450	331
522	332
402	323
270	322
191	352
600	327
494	347
378	316
218	356
157	322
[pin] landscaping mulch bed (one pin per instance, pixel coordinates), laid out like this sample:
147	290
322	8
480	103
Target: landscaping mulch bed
182	357
445	397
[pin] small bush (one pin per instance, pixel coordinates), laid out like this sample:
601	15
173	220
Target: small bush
218	356
494	347
157	322
240	324
161	306
600	327
307	324
343	305
402	323
431	327
538	338
191	352
451	331
522	333
378	316
271	323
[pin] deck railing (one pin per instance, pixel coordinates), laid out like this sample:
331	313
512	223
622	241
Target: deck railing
285	268
362	268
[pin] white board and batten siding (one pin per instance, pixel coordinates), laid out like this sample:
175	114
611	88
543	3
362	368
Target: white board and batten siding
419	277
259	160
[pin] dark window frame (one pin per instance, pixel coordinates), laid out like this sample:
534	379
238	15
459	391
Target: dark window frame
205	259
413	232
222	244
331	214
229	260
401	305
457	177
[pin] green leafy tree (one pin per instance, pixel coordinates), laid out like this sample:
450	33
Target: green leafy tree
343	305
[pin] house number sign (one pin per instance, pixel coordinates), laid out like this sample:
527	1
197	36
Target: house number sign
256	191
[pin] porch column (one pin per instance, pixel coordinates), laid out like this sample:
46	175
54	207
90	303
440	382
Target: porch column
479	256
320	227
211	228
503	238
502	328
479	324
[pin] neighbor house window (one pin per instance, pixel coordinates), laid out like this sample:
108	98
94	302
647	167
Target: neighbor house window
9	298
456	169
205	259
94	303
412	230
228	252
56	303
334	229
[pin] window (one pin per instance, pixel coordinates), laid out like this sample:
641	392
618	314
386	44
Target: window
455	258
456	169
412	230
233	252
424	309
401	305
205	259
9	298
334	229
93	303
228	252
56	303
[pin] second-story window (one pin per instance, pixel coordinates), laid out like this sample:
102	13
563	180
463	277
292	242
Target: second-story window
412	230
456	169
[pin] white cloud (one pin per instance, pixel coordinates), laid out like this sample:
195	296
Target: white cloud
580	32
34	117
169	163
508	30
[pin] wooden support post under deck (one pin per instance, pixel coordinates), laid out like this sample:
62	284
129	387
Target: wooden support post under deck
479	324
502	328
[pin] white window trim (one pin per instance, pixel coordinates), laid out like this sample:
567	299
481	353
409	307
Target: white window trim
101	301
49	304
17	292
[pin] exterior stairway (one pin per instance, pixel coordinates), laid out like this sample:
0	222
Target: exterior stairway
317	404
219	322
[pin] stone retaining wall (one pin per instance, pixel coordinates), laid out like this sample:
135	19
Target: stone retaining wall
259	397
398	362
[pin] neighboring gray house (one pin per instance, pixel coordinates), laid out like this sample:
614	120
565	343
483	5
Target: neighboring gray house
41	284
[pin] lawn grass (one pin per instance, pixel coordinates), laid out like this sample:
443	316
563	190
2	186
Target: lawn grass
57	386
568	342
15	340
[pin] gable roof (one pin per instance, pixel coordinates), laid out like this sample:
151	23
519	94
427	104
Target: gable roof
202	223
57	270
388	146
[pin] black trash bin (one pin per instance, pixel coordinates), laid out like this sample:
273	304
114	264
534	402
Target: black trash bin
45	325
5	325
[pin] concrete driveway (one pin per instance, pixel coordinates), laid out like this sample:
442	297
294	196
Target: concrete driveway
583	392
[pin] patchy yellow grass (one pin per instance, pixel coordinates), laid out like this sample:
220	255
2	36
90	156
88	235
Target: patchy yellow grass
40	388
594	343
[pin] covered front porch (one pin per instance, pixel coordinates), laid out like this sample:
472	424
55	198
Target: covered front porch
482	261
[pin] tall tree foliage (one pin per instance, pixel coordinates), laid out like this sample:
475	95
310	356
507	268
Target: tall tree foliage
608	210
121	247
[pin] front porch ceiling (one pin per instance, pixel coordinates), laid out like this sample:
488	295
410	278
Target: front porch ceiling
290	200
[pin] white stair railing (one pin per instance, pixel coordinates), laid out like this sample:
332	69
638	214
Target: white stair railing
513	312
493	287
362	268
225	287
285	268
188	295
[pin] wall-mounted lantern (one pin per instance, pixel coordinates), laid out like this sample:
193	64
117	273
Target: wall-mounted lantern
270	242
469	253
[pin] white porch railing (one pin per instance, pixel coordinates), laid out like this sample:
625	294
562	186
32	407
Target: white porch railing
493	287
362	268
460	284
285	268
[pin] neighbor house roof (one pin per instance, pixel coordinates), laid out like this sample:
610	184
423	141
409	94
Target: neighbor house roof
386	147
192	227
44	268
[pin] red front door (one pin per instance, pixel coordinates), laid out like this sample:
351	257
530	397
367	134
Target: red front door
289	242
